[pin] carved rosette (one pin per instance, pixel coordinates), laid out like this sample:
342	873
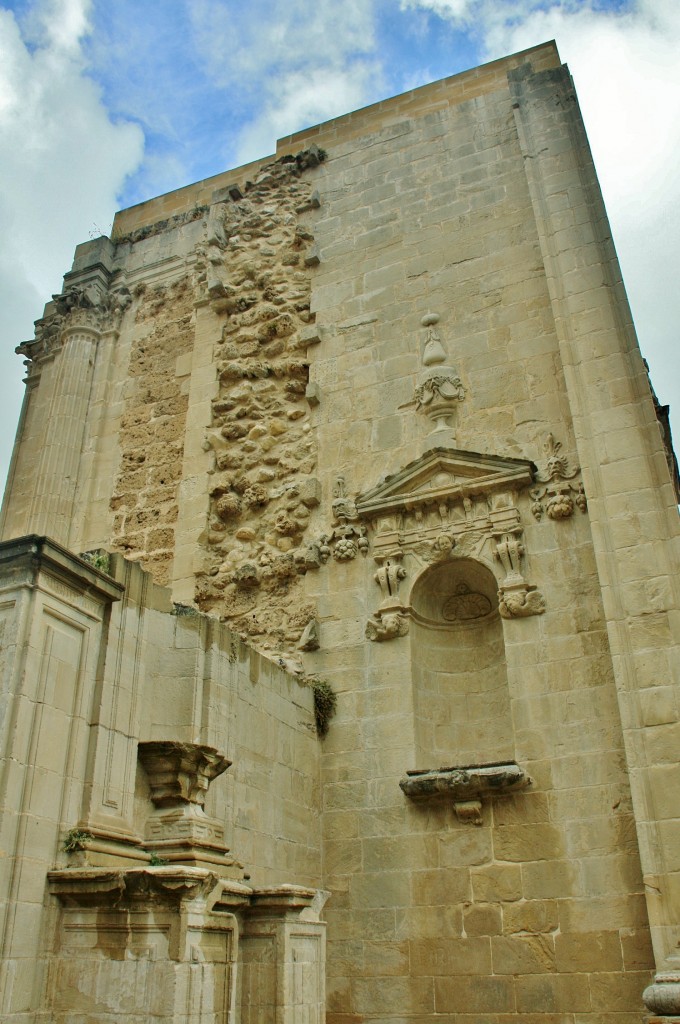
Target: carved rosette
558	498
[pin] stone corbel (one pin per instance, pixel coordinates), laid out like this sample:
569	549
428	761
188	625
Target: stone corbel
390	620
516	598
465	786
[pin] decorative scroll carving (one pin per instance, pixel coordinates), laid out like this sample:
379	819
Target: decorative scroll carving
516	598
558	498
390	620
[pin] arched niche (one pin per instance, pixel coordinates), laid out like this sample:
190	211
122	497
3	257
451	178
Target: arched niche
459	672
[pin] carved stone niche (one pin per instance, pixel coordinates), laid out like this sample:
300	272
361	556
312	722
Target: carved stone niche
447	503
179	831
465	786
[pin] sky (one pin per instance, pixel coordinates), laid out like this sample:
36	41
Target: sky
105	104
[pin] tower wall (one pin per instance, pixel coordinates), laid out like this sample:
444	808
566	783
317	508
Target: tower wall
374	401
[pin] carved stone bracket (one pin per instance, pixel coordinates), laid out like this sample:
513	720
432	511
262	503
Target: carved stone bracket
558	498
465	786
390	620
180	773
516	598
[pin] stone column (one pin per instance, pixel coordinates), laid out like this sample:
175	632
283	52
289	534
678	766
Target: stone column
59	461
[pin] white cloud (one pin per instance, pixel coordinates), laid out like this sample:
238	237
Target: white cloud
297	63
63	163
301	100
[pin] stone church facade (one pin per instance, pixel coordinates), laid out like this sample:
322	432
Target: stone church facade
340	601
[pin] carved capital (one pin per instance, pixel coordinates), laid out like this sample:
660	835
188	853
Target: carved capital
180	773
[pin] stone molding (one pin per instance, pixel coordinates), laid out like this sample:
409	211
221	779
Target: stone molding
465	786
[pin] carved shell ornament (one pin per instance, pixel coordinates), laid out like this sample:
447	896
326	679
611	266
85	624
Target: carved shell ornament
559	498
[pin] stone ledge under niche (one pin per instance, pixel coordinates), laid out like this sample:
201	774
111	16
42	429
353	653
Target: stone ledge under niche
465	785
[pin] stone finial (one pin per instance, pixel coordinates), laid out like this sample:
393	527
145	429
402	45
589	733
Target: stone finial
434	352
439	388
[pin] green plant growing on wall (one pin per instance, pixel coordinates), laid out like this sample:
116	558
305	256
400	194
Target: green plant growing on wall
97	559
156	862
325	702
75	840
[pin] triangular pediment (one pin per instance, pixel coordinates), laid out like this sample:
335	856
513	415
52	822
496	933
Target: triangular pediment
443	473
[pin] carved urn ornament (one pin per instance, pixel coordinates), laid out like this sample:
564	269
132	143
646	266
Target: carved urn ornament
439	390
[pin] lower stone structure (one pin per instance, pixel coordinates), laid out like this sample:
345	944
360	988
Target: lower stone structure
121	901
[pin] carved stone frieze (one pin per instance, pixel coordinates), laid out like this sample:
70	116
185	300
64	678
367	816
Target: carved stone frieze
558	498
